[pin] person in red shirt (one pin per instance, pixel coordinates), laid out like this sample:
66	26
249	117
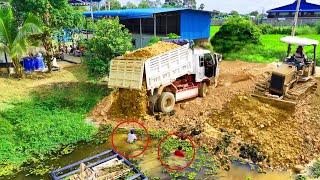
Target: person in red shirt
179	152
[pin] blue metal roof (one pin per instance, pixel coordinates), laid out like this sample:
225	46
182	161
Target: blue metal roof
304	7
131	13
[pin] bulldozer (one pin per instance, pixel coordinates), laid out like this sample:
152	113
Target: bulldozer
292	80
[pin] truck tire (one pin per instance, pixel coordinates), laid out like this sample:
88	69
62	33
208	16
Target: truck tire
203	89
166	102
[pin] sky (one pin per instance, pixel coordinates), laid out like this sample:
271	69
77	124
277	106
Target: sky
242	6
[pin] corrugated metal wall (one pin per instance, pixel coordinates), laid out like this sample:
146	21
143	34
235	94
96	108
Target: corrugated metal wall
195	24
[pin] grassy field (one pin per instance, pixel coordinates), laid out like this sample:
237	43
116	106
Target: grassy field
270	49
42	116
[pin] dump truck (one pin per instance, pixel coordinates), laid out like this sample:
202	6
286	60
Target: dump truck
175	75
292	80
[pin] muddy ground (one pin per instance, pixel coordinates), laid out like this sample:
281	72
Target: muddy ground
284	139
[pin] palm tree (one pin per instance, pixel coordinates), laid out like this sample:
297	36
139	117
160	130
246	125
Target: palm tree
15	40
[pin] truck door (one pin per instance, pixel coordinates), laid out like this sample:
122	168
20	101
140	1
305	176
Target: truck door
209	65
200	69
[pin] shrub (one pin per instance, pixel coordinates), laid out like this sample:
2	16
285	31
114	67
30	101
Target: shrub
110	39
235	33
154	40
315	169
266	28
173	36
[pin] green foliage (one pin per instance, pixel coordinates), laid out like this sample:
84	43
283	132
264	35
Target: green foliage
315	169
51	120
14	39
157	134
318	27
172	144
110	39
154	40
115	4
173	36
234	34
300	177
286	30
269	49
55	14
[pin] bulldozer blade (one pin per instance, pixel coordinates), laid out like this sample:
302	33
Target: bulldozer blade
280	103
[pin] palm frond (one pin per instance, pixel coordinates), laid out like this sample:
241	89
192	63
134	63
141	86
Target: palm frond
3	48
19	49
4	36
31	26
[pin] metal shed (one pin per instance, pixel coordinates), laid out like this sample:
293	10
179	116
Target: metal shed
145	23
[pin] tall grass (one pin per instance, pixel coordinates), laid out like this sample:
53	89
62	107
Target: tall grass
52	119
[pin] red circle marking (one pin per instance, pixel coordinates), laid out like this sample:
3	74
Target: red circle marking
145	145
166	166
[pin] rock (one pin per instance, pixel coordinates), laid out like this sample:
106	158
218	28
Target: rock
238	132
262	126
298	169
183	106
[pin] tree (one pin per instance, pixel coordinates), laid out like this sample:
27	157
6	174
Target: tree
201	6
216	13
234	13
173	3
190	4
115	4
254	13
130	5
15	40
110	39
235	34
55	15
144	4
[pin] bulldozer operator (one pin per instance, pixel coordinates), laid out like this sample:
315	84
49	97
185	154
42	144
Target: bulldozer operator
300	58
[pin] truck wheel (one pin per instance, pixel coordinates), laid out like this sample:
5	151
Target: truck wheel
203	90
166	102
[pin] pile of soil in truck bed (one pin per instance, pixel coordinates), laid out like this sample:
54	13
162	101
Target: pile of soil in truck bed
152	50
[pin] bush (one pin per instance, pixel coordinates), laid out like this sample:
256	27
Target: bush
173	36
154	40
266	28
234	34
110	39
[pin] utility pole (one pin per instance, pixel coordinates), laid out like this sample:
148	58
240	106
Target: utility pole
294	25
296	16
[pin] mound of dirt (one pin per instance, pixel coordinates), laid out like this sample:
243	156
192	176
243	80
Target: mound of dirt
130	103
284	141
153	50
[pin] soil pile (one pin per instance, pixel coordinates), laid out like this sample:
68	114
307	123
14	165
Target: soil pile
283	140
153	50
129	104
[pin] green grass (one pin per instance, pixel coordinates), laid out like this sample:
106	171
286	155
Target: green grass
52	119
271	49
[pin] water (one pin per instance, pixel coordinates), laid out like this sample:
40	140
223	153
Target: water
149	163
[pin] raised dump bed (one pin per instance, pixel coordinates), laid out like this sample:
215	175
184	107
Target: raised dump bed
106	165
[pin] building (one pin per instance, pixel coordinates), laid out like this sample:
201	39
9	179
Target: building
308	14
146	23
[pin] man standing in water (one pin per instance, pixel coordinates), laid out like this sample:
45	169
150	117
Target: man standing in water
132	137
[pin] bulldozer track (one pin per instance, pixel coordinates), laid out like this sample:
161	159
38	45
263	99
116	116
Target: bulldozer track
295	94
